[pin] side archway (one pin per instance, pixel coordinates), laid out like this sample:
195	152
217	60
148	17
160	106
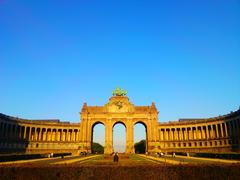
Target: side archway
140	133
98	131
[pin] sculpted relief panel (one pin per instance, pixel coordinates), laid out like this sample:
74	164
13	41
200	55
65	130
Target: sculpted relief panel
119	105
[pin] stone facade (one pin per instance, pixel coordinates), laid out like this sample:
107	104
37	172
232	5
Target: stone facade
219	134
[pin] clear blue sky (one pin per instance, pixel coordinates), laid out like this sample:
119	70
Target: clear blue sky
183	55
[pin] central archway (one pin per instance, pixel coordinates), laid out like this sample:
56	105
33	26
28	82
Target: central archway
119	132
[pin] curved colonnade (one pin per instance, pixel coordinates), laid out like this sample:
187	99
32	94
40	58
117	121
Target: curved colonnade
33	136
219	134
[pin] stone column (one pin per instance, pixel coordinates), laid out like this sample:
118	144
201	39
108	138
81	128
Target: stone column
20	133
72	135
177	134
202	132
76	134
36	134
24	133
216	125
207	132
67	135
183	134
60	134
226	129
64	134
30	134
54	135
57	136
237	127
161	135
194	133
51	134
45	135
190	133
166	134
172	134
180	134
211	132
187	134
40	135
221	128
199	134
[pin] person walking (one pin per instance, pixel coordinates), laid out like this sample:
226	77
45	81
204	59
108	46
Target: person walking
115	157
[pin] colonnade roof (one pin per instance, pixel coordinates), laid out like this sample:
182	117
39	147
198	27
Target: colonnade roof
203	120
43	121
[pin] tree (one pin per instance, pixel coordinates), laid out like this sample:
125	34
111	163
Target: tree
140	147
97	148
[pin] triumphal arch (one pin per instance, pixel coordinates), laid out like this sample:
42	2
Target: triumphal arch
119	110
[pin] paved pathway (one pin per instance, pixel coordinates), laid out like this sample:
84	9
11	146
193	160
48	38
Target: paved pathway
48	161
190	160
124	160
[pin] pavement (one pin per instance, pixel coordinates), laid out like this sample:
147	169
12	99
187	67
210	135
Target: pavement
50	161
134	159
190	160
